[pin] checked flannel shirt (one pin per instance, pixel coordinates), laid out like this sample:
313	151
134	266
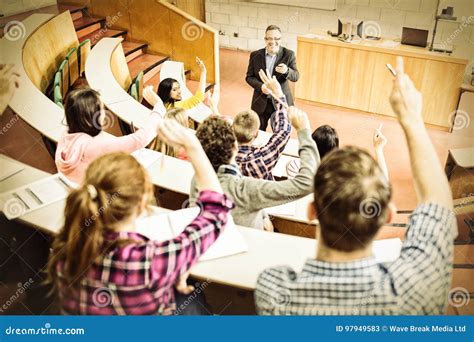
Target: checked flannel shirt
258	162
138	278
417	283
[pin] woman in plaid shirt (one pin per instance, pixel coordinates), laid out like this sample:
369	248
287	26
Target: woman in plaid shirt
99	265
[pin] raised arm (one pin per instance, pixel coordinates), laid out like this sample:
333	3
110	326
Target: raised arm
431	184
202	77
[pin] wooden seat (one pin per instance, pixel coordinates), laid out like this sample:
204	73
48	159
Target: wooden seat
73	66
64	70
83	51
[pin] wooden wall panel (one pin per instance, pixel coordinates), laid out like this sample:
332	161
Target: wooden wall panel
339	76
46	48
356	76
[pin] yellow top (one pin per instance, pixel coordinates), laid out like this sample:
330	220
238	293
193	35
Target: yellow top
193	101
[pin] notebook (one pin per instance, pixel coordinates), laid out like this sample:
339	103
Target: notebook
168	226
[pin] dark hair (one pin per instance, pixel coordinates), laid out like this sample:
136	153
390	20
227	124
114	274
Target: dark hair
351	197
217	139
326	139
272	27
164	90
83	111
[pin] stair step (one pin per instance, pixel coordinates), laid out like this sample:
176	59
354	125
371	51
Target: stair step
102	33
129	47
86	21
76	15
149	64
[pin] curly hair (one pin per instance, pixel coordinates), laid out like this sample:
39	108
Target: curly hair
217	139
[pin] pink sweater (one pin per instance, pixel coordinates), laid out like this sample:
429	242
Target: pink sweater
77	150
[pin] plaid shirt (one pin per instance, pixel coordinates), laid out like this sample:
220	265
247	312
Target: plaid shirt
416	283
138	278
258	162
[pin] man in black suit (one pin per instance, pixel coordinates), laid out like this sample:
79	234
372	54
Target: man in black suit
279	61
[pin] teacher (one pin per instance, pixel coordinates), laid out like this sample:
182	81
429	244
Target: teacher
279	61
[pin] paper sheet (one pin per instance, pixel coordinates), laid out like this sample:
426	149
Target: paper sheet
146	157
167	226
287	209
33	196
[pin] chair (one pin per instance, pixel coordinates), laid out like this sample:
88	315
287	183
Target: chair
73	66
64	70
136	89
57	98
83	51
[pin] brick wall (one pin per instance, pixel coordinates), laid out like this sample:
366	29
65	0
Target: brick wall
249	21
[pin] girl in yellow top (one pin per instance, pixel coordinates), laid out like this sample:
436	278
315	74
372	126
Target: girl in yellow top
169	92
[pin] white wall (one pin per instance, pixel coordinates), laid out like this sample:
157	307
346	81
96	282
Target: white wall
249	21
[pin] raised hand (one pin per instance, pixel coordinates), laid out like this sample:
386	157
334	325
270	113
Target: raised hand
405	99
299	119
201	64
150	96
271	83
173	134
379	139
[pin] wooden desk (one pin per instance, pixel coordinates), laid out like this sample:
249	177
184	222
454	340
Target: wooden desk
459	170
354	75
34	107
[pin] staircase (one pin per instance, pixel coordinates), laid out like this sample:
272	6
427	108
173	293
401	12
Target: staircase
96	28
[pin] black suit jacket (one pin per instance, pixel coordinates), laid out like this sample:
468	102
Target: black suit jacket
257	62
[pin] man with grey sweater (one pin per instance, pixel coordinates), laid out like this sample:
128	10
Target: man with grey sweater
251	196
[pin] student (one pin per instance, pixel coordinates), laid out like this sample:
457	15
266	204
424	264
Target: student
326	139
258	162
169	92
251	195
82	143
179	115
99	264
352	201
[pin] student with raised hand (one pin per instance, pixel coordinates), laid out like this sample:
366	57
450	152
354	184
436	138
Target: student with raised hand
251	195
100	265
83	141
258	162
352	201
169	92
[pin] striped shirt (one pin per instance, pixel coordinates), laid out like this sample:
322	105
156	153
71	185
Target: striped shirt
417	283
258	162
138	277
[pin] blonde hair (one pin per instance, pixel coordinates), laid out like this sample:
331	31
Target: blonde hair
113	191
181	117
246	125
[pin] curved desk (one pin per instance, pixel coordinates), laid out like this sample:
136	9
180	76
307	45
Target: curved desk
34	107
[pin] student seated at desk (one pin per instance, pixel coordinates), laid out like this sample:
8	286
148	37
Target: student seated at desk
82	143
251	195
169	92
99	265
258	162
352	200
326	138
179	115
